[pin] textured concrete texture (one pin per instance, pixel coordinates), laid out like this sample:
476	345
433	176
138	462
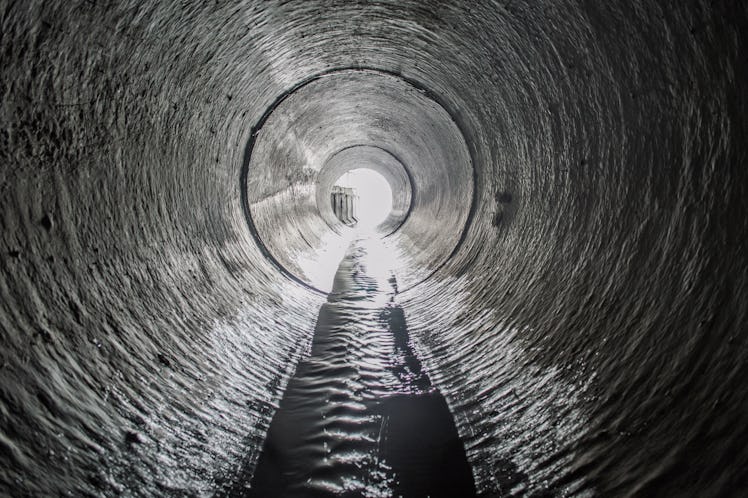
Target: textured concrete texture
575	253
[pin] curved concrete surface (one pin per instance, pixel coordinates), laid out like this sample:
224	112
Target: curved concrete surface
575	255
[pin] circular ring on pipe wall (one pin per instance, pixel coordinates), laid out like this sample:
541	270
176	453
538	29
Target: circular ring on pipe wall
377	159
284	153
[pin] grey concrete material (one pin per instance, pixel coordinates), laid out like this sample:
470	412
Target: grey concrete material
590	328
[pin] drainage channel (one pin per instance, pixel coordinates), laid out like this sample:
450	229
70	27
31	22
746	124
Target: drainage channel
360	416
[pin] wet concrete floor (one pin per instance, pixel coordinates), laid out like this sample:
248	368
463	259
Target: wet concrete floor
360	416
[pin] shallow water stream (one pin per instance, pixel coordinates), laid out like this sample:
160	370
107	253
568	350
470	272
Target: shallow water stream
360	416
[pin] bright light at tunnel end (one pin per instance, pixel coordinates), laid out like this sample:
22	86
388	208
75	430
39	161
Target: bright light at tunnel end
373	202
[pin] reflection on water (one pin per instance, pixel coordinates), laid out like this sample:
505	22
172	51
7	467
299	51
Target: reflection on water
319	267
360	416
379	258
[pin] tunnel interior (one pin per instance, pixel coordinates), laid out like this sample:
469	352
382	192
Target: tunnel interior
318	131
568	233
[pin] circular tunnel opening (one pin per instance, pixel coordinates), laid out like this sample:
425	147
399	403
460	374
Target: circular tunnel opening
393	199
356	119
362	198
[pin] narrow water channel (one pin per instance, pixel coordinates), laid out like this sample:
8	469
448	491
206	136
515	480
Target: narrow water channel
360	416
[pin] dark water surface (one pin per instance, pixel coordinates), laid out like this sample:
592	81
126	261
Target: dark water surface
360	416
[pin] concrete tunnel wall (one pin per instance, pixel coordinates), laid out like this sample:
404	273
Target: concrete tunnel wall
587	328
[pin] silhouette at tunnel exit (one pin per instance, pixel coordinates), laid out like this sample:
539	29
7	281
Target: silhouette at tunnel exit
344	203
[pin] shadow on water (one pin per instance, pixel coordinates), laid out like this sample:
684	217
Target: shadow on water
360	416
419	439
